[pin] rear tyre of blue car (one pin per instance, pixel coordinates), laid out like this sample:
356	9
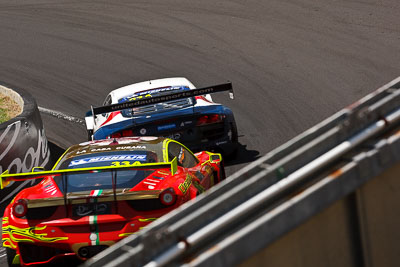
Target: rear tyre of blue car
90	135
232	154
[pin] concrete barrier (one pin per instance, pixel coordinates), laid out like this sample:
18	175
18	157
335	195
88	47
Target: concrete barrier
360	229
23	143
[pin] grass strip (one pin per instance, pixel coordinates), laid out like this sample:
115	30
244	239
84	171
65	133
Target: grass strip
8	108
3	112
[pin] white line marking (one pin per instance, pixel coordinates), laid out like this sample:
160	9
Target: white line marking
2	252
61	115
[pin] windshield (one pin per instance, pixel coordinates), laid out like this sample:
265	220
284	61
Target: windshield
103	179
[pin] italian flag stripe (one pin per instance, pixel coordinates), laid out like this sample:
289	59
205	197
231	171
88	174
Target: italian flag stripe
93	221
97	230
96	193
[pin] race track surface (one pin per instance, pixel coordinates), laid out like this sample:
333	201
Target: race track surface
292	62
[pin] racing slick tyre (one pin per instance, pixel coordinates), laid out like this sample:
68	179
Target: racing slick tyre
10	257
90	135
235	143
222	174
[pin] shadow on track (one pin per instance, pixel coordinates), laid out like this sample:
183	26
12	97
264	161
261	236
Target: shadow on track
243	155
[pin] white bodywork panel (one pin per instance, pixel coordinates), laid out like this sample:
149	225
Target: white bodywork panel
131	89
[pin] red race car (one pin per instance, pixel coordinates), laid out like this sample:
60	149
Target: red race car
100	192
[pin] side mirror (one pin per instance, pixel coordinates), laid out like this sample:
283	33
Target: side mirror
214	158
38	169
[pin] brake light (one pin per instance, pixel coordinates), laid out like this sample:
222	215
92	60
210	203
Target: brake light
127	133
168	197
20	208
116	135
208	119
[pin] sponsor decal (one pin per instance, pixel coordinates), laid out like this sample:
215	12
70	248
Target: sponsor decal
208	169
185	123
50	189
82	210
150	185
130	147
108	158
148	138
166	127
221	143
162	89
100	149
186	184
175	136
134	97
33	157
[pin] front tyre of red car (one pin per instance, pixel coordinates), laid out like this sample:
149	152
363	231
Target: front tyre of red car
11	257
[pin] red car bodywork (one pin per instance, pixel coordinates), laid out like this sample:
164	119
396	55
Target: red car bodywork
59	223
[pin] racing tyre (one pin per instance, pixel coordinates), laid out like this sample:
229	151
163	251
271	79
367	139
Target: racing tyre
10	257
222	174
90	135
235	143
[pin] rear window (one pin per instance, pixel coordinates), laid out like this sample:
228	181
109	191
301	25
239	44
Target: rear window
107	159
99	180
103	179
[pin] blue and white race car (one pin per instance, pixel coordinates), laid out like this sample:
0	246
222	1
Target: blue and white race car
170	107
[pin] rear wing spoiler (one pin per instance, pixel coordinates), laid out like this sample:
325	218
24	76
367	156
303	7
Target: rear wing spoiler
106	196
148	99
6	178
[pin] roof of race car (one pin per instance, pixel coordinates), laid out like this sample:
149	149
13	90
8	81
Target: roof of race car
148	85
109	145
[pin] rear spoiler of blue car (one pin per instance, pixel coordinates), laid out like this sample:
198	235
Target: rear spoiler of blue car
149	100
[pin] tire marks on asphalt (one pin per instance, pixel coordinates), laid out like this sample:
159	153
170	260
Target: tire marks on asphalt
61	115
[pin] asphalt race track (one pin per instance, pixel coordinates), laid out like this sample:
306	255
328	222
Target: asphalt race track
292	62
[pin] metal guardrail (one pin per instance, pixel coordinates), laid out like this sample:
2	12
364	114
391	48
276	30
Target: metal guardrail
216	228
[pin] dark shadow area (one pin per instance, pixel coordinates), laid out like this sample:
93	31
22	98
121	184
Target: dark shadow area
55	153
243	155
